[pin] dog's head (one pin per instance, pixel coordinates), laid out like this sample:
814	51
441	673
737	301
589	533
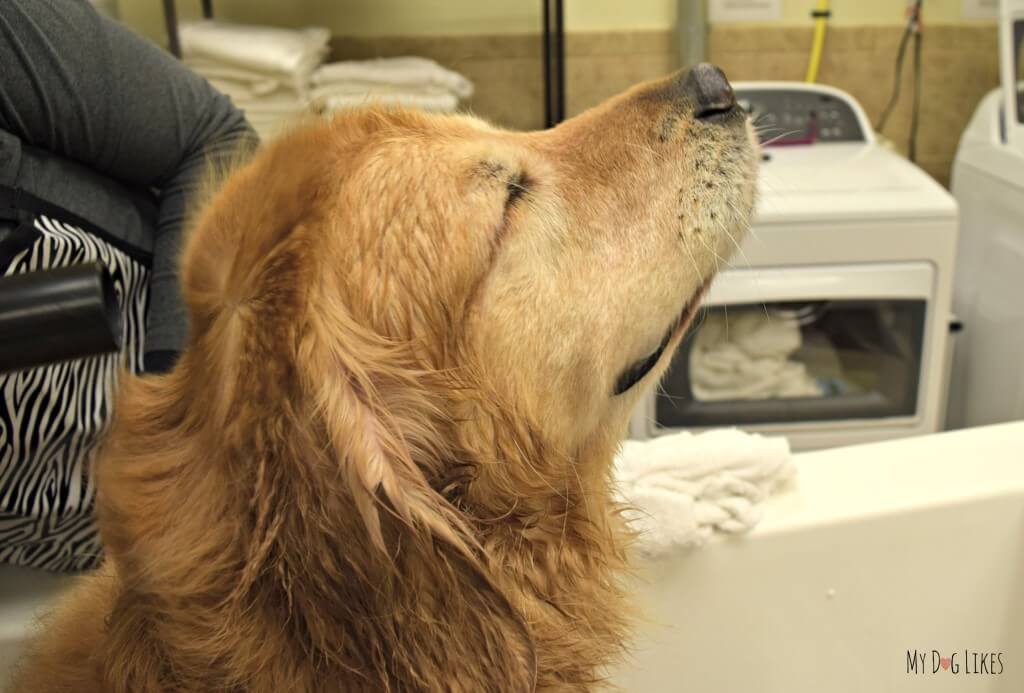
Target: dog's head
388	253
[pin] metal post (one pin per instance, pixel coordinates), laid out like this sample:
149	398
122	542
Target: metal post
692	31
171	24
554	62
559	62
547	63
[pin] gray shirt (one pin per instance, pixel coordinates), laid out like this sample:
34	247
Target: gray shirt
101	122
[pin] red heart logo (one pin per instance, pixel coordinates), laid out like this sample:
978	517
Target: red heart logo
944	662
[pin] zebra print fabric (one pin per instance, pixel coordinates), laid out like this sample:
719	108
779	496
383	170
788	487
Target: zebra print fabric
52	417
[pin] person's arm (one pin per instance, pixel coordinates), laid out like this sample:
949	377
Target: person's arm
86	88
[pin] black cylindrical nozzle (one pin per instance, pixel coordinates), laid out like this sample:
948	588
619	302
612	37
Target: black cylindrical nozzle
54	315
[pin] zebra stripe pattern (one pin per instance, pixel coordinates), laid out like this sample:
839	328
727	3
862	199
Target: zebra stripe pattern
52	417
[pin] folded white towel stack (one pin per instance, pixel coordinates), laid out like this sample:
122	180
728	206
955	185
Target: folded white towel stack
265	70
289	55
276	74
681	488
409	81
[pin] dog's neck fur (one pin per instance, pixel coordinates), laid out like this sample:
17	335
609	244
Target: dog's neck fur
548	523
540	598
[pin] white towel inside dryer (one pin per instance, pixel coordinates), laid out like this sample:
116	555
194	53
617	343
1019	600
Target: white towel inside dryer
746	355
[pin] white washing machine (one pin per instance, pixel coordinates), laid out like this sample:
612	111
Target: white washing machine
988	183
832	325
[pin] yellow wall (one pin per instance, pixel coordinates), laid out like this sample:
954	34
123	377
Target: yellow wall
433	17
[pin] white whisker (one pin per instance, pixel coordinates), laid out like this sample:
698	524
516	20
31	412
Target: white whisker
755	275
779	137
718	258
693	260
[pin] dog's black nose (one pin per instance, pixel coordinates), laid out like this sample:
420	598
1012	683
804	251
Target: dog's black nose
707	89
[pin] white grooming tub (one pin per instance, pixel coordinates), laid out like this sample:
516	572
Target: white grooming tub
877	550
915	544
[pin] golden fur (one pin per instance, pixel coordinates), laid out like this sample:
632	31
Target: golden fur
382	463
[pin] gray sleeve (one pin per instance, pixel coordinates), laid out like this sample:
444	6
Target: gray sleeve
86	88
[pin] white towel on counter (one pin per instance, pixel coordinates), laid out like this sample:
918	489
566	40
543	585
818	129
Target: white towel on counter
410	72
683	487
269	113
288	54
282	99
236	79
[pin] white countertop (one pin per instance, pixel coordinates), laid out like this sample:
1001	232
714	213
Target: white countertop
849	483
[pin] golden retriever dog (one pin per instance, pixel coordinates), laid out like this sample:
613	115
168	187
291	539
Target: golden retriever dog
383	461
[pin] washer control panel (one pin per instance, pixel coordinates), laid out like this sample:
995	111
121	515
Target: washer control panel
801	115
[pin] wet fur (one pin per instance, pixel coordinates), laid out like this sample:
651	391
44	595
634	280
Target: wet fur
377	467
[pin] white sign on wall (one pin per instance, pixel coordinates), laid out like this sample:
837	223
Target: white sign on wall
745	10
977	9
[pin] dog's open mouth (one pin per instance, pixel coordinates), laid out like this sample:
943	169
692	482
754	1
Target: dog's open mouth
635	373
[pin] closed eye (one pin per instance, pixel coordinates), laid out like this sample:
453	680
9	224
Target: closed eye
517	186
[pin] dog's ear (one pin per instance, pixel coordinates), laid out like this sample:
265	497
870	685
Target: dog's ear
381	420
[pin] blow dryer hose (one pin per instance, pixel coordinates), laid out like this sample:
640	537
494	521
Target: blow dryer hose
56	315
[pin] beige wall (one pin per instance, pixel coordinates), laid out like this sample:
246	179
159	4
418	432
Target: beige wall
612	44
353	17
461	17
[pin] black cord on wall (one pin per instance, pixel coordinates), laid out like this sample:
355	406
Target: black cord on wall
915	112
897	76
913	30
